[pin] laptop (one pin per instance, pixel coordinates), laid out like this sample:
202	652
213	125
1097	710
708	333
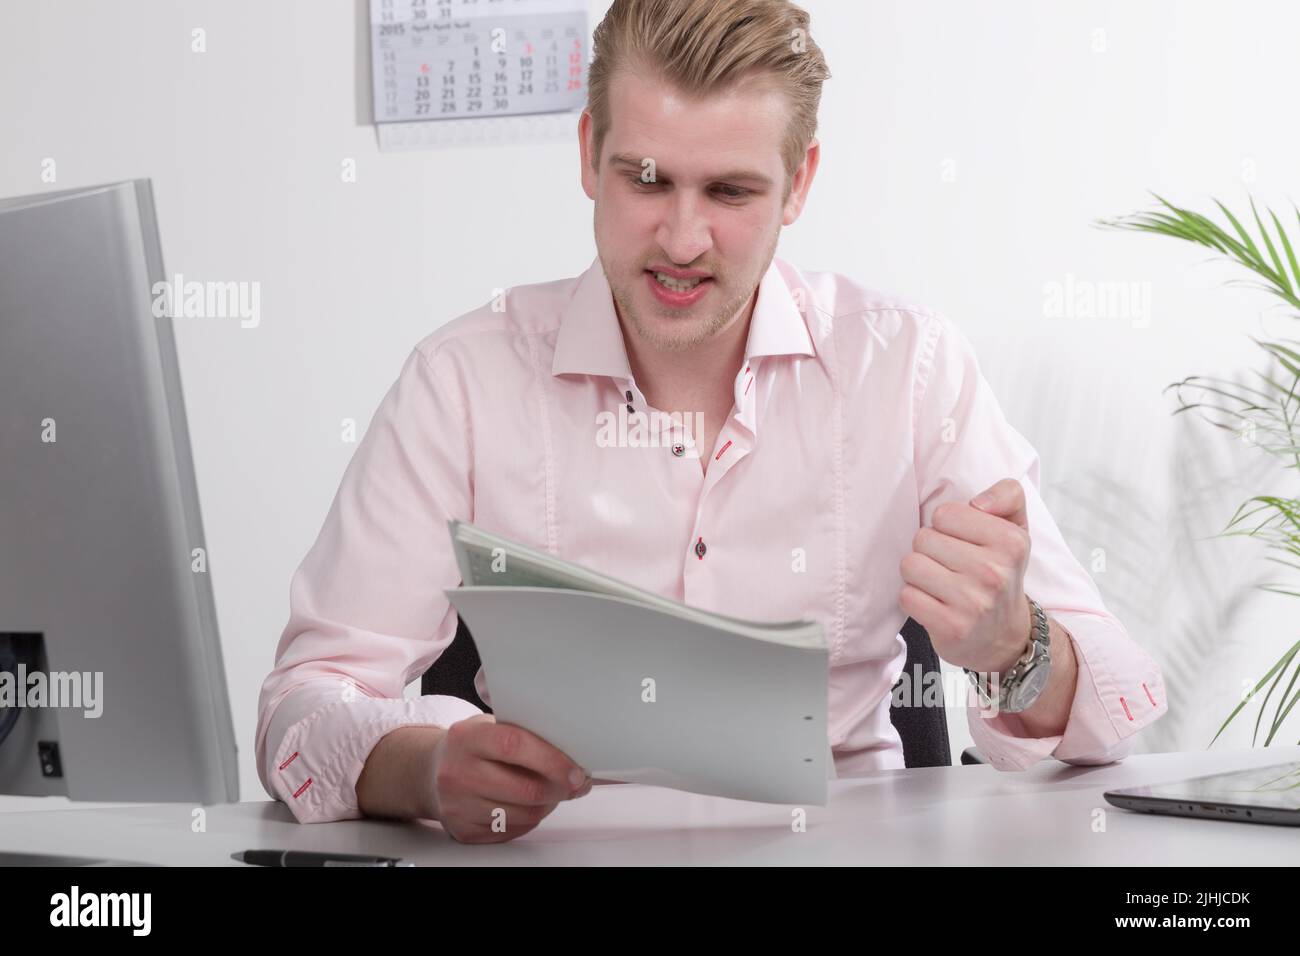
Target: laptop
1259	795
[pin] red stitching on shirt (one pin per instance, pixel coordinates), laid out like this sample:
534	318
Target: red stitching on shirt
1126	711
1149	697
297	793
747	384
722	449
290	760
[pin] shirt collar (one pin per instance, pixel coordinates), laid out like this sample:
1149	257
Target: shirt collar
590	340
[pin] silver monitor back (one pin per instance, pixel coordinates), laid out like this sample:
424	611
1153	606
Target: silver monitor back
99	514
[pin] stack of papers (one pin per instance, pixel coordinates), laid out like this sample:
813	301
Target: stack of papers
639	688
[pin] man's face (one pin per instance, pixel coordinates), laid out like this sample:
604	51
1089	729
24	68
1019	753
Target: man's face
694	187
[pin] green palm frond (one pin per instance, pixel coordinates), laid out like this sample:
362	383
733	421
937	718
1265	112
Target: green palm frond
1241	247
1267	414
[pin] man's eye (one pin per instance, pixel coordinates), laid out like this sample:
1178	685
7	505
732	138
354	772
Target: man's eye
727	192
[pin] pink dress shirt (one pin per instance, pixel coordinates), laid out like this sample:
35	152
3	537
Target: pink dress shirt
855	416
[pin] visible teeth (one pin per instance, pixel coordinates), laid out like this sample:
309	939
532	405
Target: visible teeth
677	285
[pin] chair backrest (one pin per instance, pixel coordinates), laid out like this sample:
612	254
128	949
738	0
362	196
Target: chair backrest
923	730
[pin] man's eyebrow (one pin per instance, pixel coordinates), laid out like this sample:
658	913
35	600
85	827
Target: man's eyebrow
736	175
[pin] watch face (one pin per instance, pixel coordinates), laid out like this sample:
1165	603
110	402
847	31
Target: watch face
1030	686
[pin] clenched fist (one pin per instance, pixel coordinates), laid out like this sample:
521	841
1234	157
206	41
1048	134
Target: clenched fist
964	579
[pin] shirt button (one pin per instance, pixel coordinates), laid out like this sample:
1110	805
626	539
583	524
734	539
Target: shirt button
700	548
629	394
679	449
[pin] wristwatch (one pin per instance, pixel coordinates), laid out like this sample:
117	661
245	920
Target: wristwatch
1017	688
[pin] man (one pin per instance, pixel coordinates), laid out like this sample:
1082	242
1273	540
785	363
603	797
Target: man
832	454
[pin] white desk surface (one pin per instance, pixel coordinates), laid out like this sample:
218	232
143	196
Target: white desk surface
943	815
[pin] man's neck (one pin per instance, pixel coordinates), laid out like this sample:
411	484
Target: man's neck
700	377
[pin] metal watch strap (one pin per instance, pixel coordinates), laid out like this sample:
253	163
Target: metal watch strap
1038	648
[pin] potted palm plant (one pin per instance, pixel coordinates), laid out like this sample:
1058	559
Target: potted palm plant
1263	410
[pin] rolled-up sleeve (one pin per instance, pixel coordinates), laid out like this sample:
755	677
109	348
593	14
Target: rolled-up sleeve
964	444
367	613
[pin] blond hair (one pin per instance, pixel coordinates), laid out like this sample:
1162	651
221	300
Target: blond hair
705	46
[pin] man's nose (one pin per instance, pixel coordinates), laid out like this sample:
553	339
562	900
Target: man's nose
686	232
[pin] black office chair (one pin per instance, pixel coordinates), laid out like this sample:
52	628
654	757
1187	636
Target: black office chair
923	730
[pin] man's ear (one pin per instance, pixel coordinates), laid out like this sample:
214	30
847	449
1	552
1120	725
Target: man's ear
801	183
586	143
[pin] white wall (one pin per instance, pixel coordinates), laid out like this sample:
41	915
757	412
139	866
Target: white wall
244	144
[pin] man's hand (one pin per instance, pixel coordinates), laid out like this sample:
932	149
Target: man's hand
493	782
964	579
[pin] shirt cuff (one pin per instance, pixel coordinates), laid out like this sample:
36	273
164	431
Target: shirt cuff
315	766
1119	690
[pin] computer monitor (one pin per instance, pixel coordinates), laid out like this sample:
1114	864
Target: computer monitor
106	610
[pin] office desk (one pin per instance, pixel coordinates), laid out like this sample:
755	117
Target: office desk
942	815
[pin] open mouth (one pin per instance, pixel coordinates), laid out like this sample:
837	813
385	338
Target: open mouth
677	285
677	293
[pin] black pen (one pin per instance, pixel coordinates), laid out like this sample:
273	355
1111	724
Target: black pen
308	858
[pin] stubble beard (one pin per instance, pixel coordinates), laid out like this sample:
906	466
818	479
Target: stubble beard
700	330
